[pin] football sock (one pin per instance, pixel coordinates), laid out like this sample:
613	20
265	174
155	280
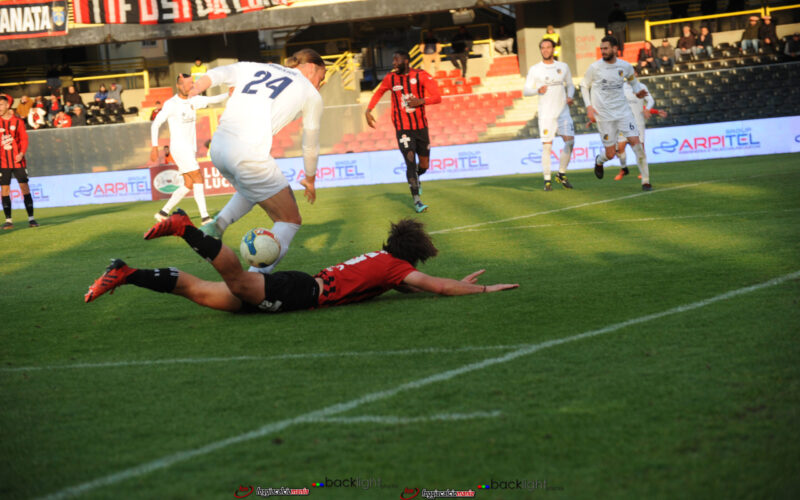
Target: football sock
200	199
284	232
159	280
411	173
7	207
236	208
28	205
547	148
603	158
206	246
623	159
176	197
566	154
421	171
641	160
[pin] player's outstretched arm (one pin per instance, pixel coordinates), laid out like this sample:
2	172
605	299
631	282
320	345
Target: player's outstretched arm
447	286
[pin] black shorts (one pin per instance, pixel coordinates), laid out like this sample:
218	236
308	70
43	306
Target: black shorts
286	291
21	175
417	141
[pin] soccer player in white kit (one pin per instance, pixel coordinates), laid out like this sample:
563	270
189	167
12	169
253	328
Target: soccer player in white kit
551	80
602	89
179	112
641	111
265	99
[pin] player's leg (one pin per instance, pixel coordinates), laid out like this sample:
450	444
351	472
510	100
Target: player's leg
408	148
247	286
547	132
623	157
608	134
185	162
194	180
566	129
214	295
641	161
283	210
5	191
422	146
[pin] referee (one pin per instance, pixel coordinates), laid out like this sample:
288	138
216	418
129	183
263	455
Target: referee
13	144
412	89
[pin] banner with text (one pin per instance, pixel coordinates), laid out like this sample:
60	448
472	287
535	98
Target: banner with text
164	11
32	18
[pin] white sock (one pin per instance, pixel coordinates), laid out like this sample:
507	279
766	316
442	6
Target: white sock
623	158
547	148
566	154
603	158
200	199
176	197
284	232
641	160
236	208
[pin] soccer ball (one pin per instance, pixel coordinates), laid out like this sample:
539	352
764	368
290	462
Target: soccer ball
259	247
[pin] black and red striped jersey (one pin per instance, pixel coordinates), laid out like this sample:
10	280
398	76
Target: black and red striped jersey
362	278
13	141
416	83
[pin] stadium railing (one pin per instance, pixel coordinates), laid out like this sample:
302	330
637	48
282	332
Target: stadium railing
648	24
345	64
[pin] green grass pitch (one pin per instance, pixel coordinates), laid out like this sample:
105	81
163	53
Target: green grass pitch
141	395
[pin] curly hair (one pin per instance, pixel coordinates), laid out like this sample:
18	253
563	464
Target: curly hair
408	241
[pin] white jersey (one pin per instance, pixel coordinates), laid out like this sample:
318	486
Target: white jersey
602	87
181	116
558	80
636	104
265	99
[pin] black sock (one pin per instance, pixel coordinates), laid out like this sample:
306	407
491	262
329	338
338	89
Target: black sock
413	185
206	246
421	171
7	206
159	280
28	204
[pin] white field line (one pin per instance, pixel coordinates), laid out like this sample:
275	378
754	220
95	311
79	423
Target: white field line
573	207
392	420
336	409
276	357
625	221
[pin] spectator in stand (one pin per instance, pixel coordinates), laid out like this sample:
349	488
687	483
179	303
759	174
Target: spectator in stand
100	96
168	160
52	80
617	24
705	42
37	118
156	110
767	34
114	99
647	57
78	117
750	35
686	43
556	38
53	108
431	53
72	99
792	48
62	120
461	45
24	107
199	69
665	53
503	42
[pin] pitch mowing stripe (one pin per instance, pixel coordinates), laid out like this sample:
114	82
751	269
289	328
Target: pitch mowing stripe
563	209
314	416
641	219
277	357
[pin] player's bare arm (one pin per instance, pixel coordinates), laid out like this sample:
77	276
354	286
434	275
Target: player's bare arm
201	85
641	94
415	102
370	119
447	286
311	190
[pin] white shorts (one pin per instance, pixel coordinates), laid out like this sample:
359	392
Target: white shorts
610	131
640	126
256	180
186	161
561	124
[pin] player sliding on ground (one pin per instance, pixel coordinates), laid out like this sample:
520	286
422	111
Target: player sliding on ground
265	99
604	95
355	280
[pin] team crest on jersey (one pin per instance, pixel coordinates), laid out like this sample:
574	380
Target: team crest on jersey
13	128
544	131
397	88
605	137
558	71
620	72
413	81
